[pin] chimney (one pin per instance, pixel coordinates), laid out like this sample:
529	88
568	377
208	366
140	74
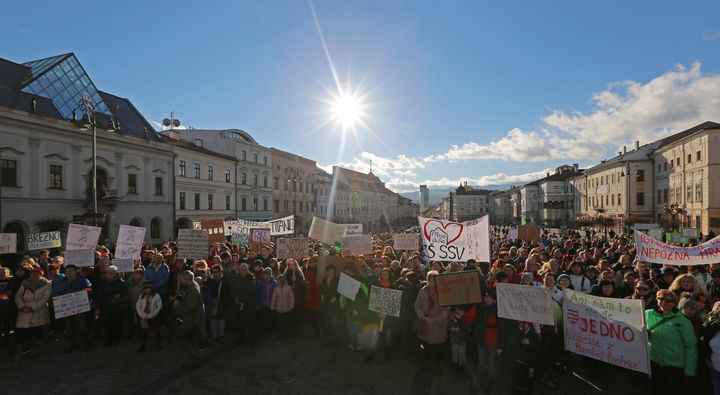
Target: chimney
576	167
637	145
547	174
624	149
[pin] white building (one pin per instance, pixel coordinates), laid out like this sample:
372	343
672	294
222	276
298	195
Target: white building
253	172
294	191
46	155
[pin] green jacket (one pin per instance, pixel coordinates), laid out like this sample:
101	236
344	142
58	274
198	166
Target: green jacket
672	343
191	308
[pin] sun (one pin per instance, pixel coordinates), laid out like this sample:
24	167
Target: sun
347	109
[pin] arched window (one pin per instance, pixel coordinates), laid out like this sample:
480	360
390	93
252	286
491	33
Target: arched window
155	226
137	222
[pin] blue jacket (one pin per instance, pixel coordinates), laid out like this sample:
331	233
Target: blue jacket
263	291
64	286
159	277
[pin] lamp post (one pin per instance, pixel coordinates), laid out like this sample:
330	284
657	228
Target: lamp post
88	107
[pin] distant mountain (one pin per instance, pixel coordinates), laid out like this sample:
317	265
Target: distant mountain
436	195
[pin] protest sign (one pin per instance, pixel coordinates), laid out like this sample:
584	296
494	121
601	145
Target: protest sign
455	241
348	286
528	233
80	258
71	304
215	228
40	241
458	288
512	234
691	233
607	329
656	233
353	229
196	225
336	260
82	237
239	238
296	247
258	238
124	265
655	251
407	242
278	227
357	244
326	231
525	303
192	244
8	243
385	301
129	242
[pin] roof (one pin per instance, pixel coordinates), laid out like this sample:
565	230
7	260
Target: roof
290	155
685	133
640	154
192	147
11	77
132	123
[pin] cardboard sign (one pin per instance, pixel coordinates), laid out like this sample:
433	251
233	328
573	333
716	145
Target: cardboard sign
357	244
455	241
607	329
296	247
215	228
531	234
385	301
353	229
512	234
260	236
124	265
326	231
192	244
129	242
8	243
655	251
458	288
348	286
41	241
80	258
71	304
525	303
82	237
407	242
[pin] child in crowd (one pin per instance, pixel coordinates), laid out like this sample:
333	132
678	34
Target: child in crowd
283	302
459	332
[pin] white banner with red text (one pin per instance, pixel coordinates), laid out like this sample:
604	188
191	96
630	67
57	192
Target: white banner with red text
655	251
455	241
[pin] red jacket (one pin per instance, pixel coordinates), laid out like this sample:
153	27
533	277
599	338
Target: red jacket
312	290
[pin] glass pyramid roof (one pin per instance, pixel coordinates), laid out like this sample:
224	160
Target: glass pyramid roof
63	80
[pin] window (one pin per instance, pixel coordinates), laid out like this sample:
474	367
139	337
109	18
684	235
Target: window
255	179
158	186
698	193
211	172
688	193
300	207
255	158
255	204
265	181
197	170
227	175
197	201
243	155
659	167
287	183
698	156
243	204
619	199
243	178
155	228
181	168
210	201
8	173
689	158
640	199
665	195
659	196
613	200
276	183
265	204
665	166
285	204
672	196
265	160
677	161
55	181
132	183
276	204
182	200
227	202
640	177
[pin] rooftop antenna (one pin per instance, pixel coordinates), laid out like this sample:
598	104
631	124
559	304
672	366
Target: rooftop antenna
172	121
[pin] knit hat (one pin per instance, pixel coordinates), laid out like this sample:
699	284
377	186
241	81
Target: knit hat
560	277
267	270
526	276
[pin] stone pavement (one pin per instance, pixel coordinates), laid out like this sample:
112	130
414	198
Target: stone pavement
298	365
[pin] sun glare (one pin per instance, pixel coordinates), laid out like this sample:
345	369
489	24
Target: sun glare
347	109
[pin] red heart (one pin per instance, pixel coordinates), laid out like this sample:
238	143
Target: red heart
445	226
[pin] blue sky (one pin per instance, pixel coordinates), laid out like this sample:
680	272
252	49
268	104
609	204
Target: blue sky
490	92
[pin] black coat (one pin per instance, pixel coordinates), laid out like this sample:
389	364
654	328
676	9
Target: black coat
110	305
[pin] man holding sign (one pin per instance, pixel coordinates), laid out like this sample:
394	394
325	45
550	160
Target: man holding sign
75	324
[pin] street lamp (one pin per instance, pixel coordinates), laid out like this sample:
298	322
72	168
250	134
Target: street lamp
88	107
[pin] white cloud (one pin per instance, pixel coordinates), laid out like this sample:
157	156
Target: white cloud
382	167
406	185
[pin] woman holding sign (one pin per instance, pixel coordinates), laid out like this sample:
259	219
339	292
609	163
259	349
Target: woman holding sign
432	320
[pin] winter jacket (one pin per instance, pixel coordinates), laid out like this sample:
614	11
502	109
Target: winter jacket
35	298
108	302
283	299
672	343
435	332
328	291
190	309
67	287
155	302
243	291
264	291
160	277
580	282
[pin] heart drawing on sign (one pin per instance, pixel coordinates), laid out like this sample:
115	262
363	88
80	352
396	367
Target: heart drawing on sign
449	228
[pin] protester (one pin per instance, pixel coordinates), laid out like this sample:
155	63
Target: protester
432	321
76	326
330	303
189	315
32	308
111	306
148	307
283	302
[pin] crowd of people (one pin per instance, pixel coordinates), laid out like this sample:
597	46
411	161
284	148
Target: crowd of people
253	295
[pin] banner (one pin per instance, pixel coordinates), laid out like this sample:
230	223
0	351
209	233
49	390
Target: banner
458	288
407	242
607	329
278	227
296	247
8	243
215	228
353	229
192	244
71	304
80	258
357	244
525	303
385	301
41	241
326	231
124	265
82	237
129	242
454	241
348	286
654	251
